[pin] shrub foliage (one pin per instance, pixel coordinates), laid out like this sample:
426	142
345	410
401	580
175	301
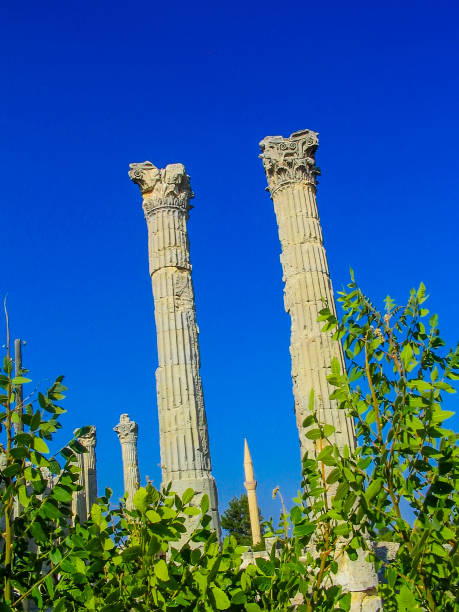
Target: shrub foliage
401	478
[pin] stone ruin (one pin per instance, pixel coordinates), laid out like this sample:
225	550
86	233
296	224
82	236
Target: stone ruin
291	173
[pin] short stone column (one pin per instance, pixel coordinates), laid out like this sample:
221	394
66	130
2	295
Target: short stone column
89	441
250	485
184	440
291	172
127	433
79	497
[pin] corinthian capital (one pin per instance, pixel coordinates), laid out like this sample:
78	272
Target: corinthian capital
126	429
290	160
89	439
167	187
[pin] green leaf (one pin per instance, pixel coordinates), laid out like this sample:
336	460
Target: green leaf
140	499
37	531
314	434
252	607
342	529
333	476
328	430
266	567
22	494
406	356
406	600
191	511
373	489
96	514
296	515
221	600
311	401
80	565
304	530
161	571
20	380
108	544
204	503
187	496
61	494
11	470
132	553
153	516
40	445
49	510
309	420
238	598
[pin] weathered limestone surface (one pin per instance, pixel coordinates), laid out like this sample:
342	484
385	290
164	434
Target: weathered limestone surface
292	176
127	433
184	442
83	500
89	441
291	172
250	485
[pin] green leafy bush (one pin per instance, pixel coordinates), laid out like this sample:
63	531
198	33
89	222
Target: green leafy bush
161	555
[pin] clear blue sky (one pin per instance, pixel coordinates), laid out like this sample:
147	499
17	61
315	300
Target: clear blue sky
88	88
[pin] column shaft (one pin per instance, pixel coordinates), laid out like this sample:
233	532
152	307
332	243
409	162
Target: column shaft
127	433
185	455
291	172
89	468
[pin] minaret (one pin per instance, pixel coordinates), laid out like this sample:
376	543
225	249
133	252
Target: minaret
127	433
89	441
184	442
250	485
291	172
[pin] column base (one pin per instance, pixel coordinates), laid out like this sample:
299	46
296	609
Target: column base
200	486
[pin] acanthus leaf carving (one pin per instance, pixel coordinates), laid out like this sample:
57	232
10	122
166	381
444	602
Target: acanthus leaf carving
290	160
126	429
89	440
167	187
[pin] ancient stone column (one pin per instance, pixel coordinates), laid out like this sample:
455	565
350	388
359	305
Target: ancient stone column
291	172
89	468
250	485
79	497
127	433
184	442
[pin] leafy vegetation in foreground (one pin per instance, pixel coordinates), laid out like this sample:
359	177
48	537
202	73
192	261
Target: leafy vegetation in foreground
149	558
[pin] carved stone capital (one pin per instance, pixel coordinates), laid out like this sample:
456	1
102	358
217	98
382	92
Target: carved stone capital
126	429
167	187
290	160
89	440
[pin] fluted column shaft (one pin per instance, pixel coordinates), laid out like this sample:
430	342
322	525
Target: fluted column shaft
79	497
127	433
185	454
83	500
89	468
291	172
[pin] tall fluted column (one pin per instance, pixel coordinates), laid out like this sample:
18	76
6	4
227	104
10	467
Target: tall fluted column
291	172
127	433
89	441
250	485
185	455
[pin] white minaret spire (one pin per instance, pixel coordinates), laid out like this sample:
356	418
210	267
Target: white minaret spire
250	485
